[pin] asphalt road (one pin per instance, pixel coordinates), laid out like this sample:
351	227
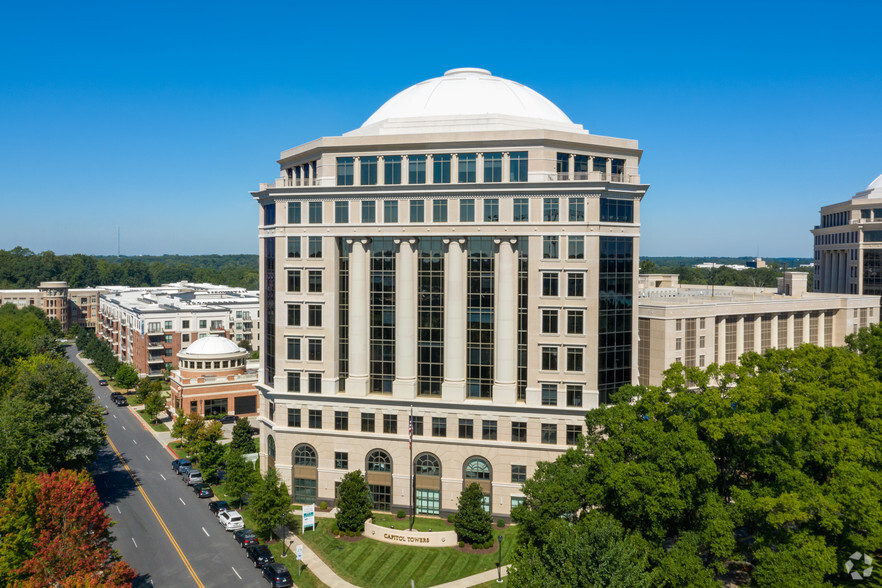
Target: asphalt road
162	528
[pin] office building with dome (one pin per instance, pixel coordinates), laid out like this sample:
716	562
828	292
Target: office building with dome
469	256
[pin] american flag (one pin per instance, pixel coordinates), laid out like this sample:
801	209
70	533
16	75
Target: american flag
410	432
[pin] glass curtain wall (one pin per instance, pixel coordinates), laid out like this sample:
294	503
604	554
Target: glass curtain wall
343	311
430	316
480	317
382	315
616	279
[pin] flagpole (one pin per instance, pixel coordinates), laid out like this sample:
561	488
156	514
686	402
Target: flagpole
412	478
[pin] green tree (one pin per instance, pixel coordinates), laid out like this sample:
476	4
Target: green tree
269	502
354	503
472	523
207	448
242	440
145	387
153	405
126	376
190	430
241	475
178	426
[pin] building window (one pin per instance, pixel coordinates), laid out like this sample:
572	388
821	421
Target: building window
345	171
480	333
369	171
550	284
315	315
549	433
616	211
314	279
577	209
550	209
269	214
467	168
315	419
488	430
390	424
367	422
573	434
392	171
517	166
439	211
679	324
701	323
315	213
341	460
369	211
491	210
563	166
519	432
615	283
315	247
294	213
575	361
293	247
417	212
575	322
382	315
575	247
439	427
549	394
314	382
550	247
493	167
341	420
294	417
341	212
417	424
293	349
293	285
576	284
390	211
678	343
441	169
518	474
202	324
549	321
315	349
467	210
466	428
574	395
294	384
430	316
549	358
416	169
521	210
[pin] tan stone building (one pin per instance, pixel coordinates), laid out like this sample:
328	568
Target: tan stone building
468	253
69	305
213	379
700	325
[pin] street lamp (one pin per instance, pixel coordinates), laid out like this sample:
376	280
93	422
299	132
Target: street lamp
499	565
284	533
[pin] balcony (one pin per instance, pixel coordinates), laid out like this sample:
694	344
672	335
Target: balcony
154	345
156	359
289	183
598	176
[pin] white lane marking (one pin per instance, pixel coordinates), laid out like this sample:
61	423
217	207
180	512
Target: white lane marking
182	501
206	532
235	572
124	427
161	476
114	416
135	442
148	457
118	510
136	545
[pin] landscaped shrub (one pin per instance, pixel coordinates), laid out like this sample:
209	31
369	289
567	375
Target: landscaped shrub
354	502
323	506
335	530
450	518
473	523
500	523
401	514
462	543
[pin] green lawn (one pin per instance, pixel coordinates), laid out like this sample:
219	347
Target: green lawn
420	523
371	563
161	427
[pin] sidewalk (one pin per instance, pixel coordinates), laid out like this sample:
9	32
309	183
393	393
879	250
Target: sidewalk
481	578
315	564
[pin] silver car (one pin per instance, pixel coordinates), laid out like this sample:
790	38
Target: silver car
231	520
193	477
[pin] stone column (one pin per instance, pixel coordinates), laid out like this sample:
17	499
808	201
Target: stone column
843	272
608	169
405	384
834	273
455	292
359	327
405	170
821	333
381	170
506	315
479	168
430	169
356	171
506	166
721	340
774	332
757	332
454	168
571	167
790	326
739	338
828	263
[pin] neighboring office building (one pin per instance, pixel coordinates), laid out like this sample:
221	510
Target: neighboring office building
848	244
468	252
147	327
697	326
213	379
69	305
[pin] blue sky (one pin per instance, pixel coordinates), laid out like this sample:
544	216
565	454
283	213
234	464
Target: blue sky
160	117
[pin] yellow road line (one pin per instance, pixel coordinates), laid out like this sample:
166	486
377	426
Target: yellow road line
158	518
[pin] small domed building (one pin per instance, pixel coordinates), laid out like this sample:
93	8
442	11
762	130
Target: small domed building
213	378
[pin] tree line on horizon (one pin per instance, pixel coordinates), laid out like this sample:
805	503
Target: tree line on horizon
684	267
22	268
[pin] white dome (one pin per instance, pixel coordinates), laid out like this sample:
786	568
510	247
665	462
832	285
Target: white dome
213	345
462	99
877	183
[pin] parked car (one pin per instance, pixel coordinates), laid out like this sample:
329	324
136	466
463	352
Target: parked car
228	418
193	477
185	469
120	401
260	555
117	395
231	520
218	506
245	537
176	464
203	490
277	575
102	382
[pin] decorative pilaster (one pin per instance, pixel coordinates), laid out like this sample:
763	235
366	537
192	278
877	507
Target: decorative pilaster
405	384
455	291
506	314
359	332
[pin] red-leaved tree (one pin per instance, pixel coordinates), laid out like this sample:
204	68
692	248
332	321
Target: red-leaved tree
60	534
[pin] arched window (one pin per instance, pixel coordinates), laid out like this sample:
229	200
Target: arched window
477	469
379	461
271	447
427	465
304	455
